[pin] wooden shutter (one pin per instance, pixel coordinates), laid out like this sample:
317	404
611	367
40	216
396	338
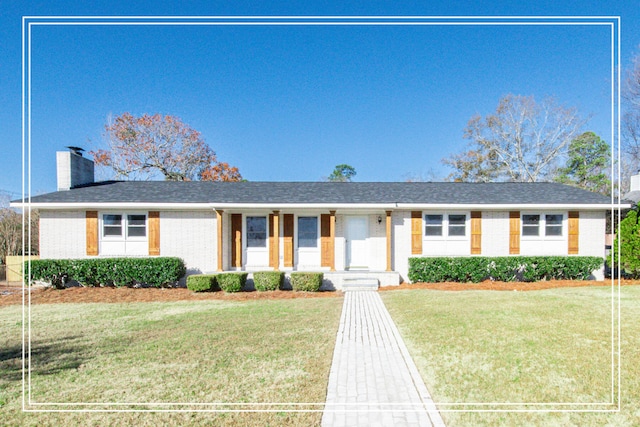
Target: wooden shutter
236	240
92	232
416	233
154	233
274	249
574	232
514	232
326	247
287	230
476	233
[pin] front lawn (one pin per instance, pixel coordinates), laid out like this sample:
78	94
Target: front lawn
170	352
549	346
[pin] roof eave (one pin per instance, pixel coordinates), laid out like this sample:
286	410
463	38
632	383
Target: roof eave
327	206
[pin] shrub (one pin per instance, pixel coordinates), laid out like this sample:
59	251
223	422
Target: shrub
54	271
307	282
231	282
629	241
268	280
157	271
202	283
506	269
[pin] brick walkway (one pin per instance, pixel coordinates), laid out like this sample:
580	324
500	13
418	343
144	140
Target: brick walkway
373	380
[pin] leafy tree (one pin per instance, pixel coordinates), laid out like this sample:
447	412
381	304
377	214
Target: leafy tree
151	145
520	142
342	173
587	164
629	238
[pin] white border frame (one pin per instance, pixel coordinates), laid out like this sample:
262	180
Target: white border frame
613	22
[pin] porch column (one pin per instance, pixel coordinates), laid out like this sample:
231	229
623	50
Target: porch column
388	240
332	240
276	240
219	226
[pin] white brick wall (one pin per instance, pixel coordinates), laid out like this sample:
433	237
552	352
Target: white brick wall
340	243
401	242
63	234
377	242
190	235
495	233
592	234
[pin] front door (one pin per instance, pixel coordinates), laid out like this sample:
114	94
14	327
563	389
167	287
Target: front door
357	232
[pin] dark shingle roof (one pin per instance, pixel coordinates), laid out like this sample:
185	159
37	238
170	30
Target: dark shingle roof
324	192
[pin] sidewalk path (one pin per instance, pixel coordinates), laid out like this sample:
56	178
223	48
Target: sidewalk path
373	380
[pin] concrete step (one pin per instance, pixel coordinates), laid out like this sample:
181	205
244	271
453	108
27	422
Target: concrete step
360	284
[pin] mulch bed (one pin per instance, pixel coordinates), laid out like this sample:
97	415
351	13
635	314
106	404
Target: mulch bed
507	286
12	294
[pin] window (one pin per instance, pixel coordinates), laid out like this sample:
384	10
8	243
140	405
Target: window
433	225
256	232
136	225
530	225
121	226
553	225
112	225
307	232
457	225
542	225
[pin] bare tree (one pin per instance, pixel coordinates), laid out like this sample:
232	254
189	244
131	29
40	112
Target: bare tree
11	233
630	123
521	141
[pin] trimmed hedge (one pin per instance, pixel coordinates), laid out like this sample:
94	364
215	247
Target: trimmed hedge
306	282
157	271
202	283
268	280
231	282
505	269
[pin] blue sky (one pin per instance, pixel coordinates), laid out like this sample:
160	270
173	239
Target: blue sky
291	102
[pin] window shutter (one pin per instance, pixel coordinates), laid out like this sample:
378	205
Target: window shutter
325	240
287	230
476	233
514	232
574	232
236	240
273	241
416	232
92	232
154	233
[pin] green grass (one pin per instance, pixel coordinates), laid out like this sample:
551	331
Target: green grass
522	347
208	351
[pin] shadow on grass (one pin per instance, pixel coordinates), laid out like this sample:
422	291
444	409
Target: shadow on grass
47	358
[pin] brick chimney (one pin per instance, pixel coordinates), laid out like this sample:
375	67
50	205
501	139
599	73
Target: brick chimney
73	169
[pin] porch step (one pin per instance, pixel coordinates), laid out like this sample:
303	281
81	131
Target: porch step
359	284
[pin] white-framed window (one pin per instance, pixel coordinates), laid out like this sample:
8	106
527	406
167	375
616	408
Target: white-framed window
542	225
256	231
457	225
124	226
530	224
553	224
433	224
307	231
445	225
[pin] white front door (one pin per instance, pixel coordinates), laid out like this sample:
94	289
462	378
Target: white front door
357	232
